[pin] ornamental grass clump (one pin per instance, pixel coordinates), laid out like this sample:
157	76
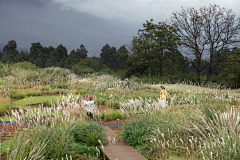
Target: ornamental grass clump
140	106
26	149
56	133
89	133
220	135
137	131
5	105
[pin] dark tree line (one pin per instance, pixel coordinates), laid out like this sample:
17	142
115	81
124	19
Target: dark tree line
43	56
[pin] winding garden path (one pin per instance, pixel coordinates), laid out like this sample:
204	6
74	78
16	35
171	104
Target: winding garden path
117	149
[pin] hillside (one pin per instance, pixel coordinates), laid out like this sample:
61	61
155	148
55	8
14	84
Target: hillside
54	27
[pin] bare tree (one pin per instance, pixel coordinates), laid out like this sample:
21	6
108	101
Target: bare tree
188	23
207	31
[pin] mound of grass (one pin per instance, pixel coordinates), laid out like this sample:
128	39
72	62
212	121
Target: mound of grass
18	95
5	105
90	133
136	132
110	114
61	86
81	148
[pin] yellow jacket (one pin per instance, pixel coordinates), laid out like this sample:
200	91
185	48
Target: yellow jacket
163	94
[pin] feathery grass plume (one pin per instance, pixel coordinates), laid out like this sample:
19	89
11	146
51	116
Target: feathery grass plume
220	134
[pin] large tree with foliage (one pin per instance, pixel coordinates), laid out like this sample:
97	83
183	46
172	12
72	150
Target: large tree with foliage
151	44
87	65
122	56
10	51
22	57
231	71
35	49
71	60
109	57
206	31
81	53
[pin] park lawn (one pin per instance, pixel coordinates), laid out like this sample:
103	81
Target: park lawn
23	103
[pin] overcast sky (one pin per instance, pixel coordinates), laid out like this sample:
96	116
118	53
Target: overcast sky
138	11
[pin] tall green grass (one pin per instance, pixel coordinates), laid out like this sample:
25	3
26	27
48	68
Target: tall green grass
5	106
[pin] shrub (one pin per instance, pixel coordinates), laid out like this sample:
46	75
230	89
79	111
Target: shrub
18	95
35	93
113	104
100	99
45	88
80	148
81	91
5	105
49	103
52	91
90	133
60	86
221	136
55	141
110	114
25	65
136	132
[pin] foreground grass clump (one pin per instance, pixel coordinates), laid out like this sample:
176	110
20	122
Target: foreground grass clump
90	133
220	135
137	131
56	139
5	106
53	141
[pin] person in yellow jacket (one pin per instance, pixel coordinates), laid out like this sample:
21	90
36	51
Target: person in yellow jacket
163	93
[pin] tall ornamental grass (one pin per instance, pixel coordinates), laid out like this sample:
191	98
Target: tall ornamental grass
137	131
220	135
89	133
55	140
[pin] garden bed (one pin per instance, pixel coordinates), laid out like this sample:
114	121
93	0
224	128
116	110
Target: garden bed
8	130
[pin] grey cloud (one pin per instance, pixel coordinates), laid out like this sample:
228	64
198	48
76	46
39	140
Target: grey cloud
140	10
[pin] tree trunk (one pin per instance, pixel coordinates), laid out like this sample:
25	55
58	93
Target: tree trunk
198	75
160	65
210	65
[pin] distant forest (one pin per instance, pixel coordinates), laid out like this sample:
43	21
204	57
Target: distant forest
172	52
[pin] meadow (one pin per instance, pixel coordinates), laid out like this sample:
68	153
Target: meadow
44	105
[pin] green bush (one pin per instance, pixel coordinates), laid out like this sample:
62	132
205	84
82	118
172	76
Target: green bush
45	88
5	105
49	103
25	65
136	132
113	104
90	133
18	95
81	91
55	141
220	134
79	148
52	91
60	86
109	115
34	94
100	99
4	69
85	70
